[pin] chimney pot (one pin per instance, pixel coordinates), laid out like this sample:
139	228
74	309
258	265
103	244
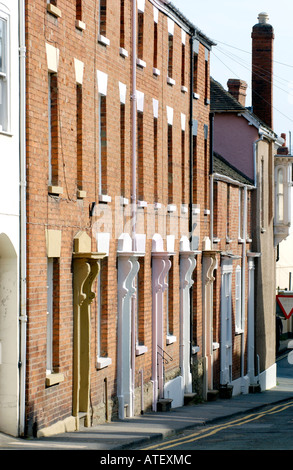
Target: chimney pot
237	88
263	18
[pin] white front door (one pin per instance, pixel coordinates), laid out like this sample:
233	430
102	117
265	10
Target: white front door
226	323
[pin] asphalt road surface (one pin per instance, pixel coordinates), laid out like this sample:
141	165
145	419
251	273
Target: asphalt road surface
270	428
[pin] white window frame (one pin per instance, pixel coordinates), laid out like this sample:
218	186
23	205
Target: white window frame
280	195
102	361
238	300
5	76
240	214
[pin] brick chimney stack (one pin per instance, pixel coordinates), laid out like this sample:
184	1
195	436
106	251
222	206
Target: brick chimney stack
237	88
262	69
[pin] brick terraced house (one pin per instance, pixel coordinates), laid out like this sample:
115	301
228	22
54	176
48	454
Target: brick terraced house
145	228
244	141
117	209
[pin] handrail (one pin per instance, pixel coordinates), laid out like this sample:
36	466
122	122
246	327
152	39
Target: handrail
162	355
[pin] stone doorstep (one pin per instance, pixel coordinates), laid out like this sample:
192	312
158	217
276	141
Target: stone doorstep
254	388
212	395
189	398
164	404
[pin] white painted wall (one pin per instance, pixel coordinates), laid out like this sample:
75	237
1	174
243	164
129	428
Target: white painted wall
9	238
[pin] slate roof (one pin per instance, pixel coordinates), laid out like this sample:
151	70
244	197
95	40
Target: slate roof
222	100
221	166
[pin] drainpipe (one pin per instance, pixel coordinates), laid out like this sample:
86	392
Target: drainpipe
133	195
254	157
22	158
212	177
191	180
243	277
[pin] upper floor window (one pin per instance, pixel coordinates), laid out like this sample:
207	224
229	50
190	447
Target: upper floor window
102	38
280	195
4	119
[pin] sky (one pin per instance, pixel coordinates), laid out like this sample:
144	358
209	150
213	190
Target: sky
229	24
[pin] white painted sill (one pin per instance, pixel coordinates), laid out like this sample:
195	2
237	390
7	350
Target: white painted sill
103	40
103	362
140	349
171	339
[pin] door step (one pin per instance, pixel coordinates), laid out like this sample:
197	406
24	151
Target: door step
164	404
189	398
226	391
255	388
212	395
82	415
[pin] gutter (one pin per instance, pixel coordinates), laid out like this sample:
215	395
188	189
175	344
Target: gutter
22	162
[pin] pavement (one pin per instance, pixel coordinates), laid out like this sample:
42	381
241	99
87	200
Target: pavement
145	430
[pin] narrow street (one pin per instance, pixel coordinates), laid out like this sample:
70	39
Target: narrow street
269	428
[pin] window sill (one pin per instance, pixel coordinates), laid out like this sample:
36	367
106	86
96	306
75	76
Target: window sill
195	349
140	349
54	379
54	10
171	81
81	194
80	25
8	134
103	40
104	198
239	331
124	201
196	96
184	89
171	208
142	204
171	339
156	72
241	241
123	52
103	362
55	190
140	63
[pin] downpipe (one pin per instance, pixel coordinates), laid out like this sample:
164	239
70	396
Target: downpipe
243	280
22	163
133	195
